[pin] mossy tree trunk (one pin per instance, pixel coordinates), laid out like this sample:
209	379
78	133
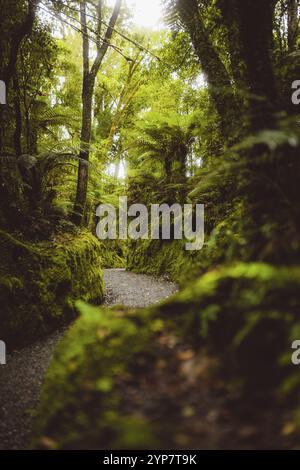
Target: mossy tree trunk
255	18
20	31
219	81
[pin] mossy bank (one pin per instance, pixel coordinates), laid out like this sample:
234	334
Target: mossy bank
39	283
242	316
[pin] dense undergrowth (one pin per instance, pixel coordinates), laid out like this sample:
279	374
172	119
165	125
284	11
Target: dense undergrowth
238	303
114	254
204	111
40	282
244	315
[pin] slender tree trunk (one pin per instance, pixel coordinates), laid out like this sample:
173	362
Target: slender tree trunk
83	167
89	78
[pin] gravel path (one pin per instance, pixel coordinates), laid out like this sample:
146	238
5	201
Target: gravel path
135	290
22	377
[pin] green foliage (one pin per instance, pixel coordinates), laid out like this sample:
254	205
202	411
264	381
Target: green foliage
91	361
114	253
37	188
245	314
204	117
40	282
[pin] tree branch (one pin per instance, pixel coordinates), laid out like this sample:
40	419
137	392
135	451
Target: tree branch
106	42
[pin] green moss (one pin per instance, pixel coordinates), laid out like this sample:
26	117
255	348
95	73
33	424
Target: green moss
81	400
158	258
39	284
245	314
114	254
223	244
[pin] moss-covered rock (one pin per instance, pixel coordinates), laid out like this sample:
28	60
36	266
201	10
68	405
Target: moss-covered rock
114	254
39	283
157	257
81	399
245	314
161	257
222	244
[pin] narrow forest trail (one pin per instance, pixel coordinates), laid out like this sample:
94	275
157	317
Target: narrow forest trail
21	379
